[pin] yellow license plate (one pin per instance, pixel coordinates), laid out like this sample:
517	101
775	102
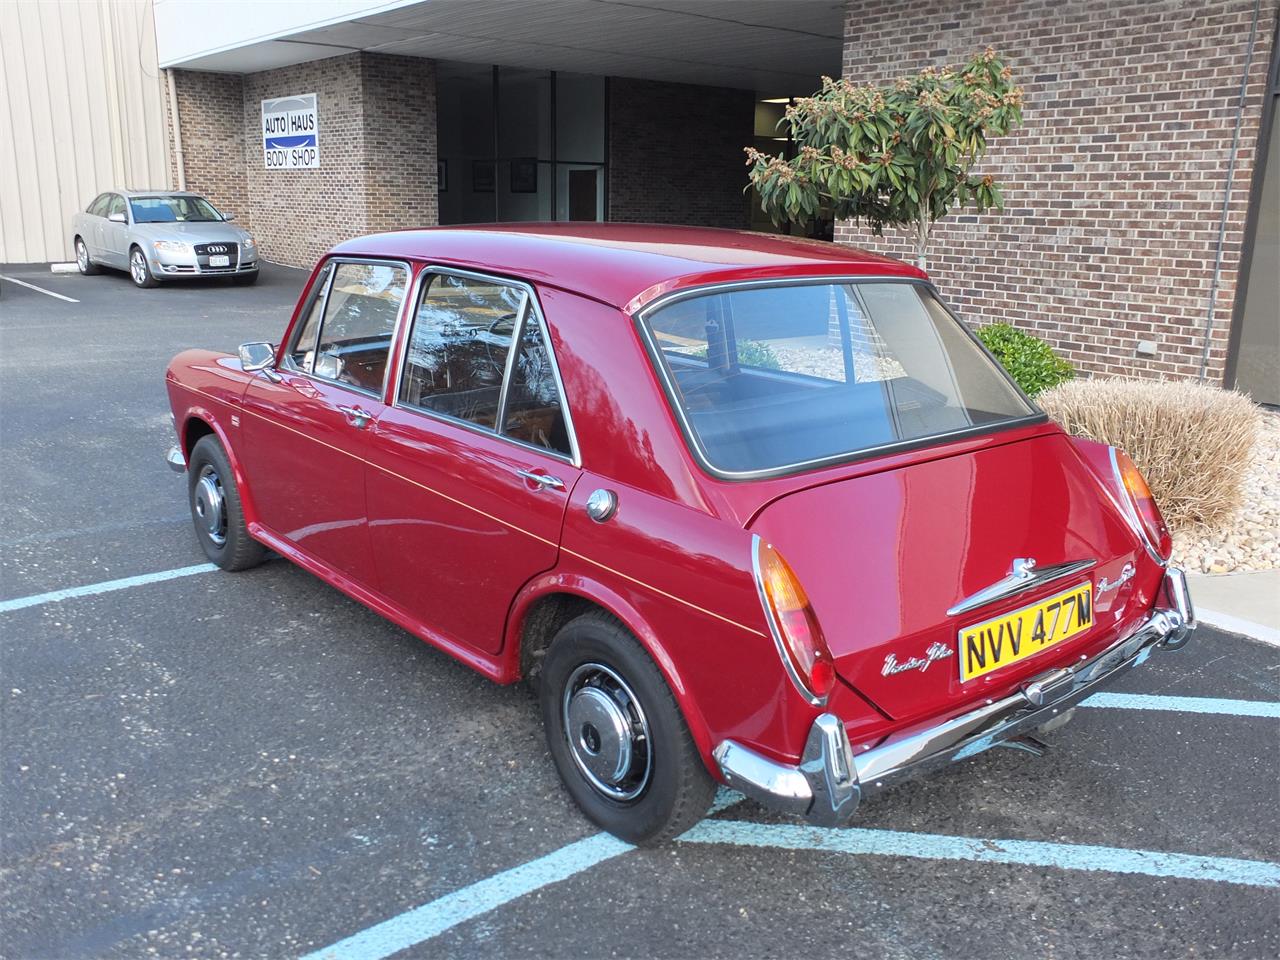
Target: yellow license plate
1015	636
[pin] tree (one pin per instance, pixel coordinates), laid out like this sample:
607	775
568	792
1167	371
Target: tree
896	156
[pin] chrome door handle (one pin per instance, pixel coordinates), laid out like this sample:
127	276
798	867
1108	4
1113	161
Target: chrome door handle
544	480
359	418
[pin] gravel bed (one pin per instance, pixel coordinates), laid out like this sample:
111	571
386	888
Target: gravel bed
1252	540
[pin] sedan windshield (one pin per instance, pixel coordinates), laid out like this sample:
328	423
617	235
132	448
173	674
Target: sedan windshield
173	210
775	378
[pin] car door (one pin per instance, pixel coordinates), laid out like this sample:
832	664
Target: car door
95	217
306	429
473	461
115	236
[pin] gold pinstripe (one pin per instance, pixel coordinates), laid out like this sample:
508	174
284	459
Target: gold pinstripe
474	509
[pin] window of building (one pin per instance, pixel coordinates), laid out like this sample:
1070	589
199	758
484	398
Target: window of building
517	144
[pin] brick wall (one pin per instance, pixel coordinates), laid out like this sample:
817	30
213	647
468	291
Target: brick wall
1114	185
212	109
675	153
377	139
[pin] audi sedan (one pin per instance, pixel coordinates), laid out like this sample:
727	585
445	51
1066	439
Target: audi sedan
156	235
744	509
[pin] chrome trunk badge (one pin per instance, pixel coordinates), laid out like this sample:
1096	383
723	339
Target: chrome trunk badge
936	651
1125	576
1023	575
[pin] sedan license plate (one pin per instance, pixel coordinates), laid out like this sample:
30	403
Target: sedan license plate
220	261
1023	633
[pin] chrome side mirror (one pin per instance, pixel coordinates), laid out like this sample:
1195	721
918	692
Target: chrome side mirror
259	357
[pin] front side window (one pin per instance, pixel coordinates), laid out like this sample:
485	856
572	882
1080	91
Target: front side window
302	354
460	354
358	325
173	210
116	206
778	377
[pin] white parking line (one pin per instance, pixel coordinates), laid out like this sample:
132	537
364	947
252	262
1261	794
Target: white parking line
32	286
19	603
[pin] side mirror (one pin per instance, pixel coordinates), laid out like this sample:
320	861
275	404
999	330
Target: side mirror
228	216
117	218
258	357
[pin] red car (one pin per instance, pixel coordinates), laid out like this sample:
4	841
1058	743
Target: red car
744	508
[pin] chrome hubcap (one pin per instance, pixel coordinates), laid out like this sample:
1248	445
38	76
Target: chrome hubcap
138	266
607	732
208	504
82	256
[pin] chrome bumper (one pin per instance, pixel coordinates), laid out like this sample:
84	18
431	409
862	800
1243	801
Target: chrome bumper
831	781
175	459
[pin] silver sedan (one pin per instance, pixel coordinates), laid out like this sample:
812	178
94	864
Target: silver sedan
158	235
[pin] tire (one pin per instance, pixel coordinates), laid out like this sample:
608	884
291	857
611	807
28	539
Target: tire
87	267
598	678
245	279
139	269
216	511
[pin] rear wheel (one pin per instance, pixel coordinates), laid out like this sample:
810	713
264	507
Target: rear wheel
139	269
617	735
216	510
87	267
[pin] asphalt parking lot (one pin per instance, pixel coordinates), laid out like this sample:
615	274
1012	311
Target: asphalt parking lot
199	764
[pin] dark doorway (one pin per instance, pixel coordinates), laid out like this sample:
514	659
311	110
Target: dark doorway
584	186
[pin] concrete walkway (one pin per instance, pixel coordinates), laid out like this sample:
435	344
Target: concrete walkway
1247	603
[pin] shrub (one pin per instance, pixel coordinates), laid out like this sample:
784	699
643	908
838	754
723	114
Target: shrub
1191	441
1029	360
754	353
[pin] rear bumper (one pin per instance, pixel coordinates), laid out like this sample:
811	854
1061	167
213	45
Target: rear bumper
830	781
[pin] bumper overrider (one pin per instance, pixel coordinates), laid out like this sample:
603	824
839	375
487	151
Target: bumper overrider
831	781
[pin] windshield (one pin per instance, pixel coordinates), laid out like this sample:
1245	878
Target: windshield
777	377
173	210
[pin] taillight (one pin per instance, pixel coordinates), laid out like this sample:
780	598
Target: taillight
793	624
1146	513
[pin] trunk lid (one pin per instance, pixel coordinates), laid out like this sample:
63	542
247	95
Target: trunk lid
885	556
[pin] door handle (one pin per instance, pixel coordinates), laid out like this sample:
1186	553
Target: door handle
358	418
545	480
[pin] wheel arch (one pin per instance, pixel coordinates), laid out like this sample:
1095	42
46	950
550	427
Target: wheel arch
199	423
551	600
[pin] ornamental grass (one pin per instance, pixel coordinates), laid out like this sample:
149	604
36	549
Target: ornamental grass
1193	442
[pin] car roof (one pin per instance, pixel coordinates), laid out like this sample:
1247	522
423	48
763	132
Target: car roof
625	264
134	192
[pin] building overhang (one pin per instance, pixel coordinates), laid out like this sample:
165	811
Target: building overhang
778	47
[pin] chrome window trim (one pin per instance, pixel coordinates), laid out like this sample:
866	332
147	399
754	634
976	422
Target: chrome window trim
530	304
658	363
776	631
395	331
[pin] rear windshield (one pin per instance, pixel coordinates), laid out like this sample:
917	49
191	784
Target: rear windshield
774	378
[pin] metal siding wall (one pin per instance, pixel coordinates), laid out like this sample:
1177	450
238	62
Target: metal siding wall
81	111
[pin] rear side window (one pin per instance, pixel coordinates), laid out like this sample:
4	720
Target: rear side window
358	324
776	378
461	361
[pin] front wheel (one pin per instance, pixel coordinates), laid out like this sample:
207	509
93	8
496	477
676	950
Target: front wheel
140	270
216	509
617	735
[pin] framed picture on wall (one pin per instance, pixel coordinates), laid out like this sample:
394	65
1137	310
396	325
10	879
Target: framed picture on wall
524	175
482	176
442	176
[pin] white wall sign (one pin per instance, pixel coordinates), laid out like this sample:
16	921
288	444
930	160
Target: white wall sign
291	133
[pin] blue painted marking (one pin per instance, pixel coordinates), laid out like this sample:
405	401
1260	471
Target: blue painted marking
929	846
978	746
1143	701
106	586
434	918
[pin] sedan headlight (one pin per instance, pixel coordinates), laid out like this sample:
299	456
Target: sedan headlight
248	243
172	246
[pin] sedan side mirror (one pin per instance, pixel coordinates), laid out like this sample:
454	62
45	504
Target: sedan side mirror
228	216
259	357
117	218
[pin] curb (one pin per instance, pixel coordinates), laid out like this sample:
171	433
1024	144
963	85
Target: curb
63	268
1225	621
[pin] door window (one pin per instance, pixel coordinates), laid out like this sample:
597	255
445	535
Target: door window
100	204
303	351
358	325
460	357
116	205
